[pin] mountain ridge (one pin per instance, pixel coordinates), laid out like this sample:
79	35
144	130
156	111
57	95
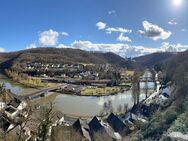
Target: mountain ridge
61	55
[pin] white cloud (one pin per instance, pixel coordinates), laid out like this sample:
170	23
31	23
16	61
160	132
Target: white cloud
172	22
123	50
2	49
154	31
62	46
48	38
64	34
173	47
101	25
110	30
111	12
126	50
33	45
123	38
118	30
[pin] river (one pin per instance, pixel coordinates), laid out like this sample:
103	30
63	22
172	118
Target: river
83	106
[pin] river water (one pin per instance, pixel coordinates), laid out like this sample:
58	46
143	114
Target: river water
83	106
14	87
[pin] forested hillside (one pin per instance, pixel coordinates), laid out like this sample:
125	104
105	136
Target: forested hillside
18	60
173	117
154	58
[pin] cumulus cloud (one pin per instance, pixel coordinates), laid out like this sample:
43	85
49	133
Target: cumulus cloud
118	30
64	34
123	38
126	50
33	45
2	49
112	12
154	31
48	38
172	22
123	50
62	46
167	47
101	25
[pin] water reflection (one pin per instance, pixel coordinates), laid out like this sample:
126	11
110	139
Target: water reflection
15	88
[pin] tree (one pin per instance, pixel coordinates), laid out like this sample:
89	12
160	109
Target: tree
45	120
146	87
119	108
25	117
138	92
3	93
125	108
136	88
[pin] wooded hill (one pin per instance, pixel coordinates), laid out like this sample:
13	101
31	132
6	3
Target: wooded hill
18	60
172	117
151	59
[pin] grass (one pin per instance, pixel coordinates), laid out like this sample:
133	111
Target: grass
125	84
100	91
130	72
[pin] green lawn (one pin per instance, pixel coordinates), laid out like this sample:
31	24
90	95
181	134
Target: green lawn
100	91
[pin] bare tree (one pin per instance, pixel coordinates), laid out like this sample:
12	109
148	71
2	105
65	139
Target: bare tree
125	107
45	120
3	93
119	109
24	118
138	92
136	88
146	86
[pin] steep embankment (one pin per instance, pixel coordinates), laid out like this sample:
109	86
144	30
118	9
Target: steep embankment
173	117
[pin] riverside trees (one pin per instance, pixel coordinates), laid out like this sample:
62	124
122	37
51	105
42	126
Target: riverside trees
136	88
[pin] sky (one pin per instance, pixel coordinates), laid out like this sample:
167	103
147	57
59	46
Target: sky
126	27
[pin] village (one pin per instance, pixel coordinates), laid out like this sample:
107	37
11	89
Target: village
112	126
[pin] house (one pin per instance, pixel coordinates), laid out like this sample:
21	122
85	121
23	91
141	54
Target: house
163	100
95	125
10	112
15	102
118	125
167	91
5	125
164	95
99	131
14	109
75	132
84	132
129	118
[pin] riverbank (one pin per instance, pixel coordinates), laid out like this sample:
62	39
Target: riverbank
101	91
25	80
15	87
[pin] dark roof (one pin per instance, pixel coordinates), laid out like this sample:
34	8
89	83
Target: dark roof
78	127
14	102
117	125
95	125
4	124
166	95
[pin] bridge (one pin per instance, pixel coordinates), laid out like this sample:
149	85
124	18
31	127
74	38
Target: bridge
40	93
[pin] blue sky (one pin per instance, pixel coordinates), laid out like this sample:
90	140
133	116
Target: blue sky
126	27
